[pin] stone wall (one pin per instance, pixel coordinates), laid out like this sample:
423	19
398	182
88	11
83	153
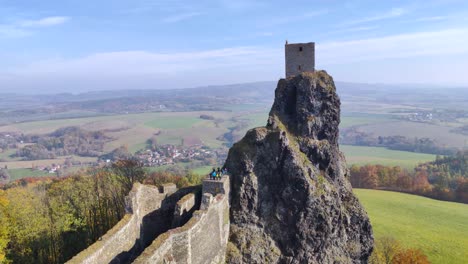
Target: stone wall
300	57
150	212
144	235
184	209
203	239
216	186
141	201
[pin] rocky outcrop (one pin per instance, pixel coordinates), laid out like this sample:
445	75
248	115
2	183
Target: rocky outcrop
291	201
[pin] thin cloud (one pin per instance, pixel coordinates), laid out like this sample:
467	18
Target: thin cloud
394	12
427	19
229	64
180	17
24	28
9	31
44	22
144	62
422	44
357	29
433	43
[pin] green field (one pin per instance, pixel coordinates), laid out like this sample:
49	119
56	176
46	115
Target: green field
357	119
257	119
441	133
203	170
16	174
173	123
375	155
6	155
439	229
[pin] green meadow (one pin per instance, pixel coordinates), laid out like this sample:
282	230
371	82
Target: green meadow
438	228
16	174
376	155
173	123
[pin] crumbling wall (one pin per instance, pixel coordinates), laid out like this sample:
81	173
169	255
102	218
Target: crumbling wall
152	211
184	210
141	201
203	239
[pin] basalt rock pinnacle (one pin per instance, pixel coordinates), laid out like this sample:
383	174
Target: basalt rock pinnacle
291	200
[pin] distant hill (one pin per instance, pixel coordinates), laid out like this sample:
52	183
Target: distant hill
22	108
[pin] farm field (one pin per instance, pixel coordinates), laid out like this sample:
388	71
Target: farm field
439	229
6	155
377	155
29	163
133	131
357	119
442	134
16	174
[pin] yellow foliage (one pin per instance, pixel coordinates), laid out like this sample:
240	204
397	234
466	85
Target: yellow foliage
3	226
3	199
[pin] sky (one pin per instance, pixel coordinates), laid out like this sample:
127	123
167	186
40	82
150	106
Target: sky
84	45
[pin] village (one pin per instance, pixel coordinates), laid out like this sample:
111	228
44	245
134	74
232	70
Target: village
172	154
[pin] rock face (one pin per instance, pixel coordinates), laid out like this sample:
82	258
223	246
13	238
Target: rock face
291	201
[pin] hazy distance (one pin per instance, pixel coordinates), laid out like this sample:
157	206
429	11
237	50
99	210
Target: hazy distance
81	46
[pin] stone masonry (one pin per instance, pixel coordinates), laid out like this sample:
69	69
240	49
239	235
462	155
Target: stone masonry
300	57
203	239
141	200
182	227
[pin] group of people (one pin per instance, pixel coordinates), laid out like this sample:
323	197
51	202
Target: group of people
216	174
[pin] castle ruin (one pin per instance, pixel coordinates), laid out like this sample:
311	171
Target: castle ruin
300	57
167	225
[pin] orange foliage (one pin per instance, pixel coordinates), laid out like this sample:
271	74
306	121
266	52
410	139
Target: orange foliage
410	255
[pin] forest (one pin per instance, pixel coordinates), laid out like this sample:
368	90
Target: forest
352	136
444	179
62	142
51	220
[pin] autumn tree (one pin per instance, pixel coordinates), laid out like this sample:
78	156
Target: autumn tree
404	182
369	177
388	250
420	181
410	255
461	192
128	172
4	226
385	249
355	176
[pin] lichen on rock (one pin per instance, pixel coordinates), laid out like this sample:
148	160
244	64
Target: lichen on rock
291	200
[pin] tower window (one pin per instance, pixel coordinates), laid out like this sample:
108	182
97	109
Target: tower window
300	48
299	67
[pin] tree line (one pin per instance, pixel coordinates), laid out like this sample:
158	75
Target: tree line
52	220
63	142
446	178
353	136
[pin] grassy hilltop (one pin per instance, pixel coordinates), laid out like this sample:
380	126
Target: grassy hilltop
439	229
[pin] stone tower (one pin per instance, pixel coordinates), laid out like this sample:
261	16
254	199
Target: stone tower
300	57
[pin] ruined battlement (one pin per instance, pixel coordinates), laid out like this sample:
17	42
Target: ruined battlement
166	224
216	186
203	239
149	212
